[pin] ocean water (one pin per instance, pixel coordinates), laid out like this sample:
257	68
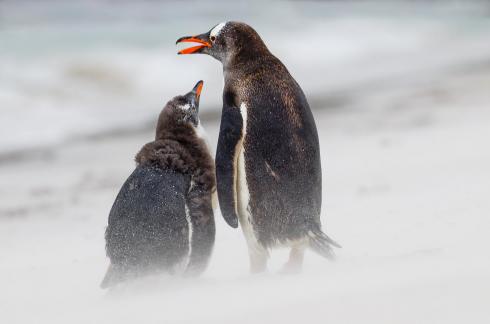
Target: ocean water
72	69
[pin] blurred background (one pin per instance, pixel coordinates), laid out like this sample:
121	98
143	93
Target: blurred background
401	94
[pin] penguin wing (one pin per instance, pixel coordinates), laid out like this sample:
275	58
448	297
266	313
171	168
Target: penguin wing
230	134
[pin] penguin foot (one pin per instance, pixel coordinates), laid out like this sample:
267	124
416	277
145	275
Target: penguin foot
258	262
258	266
288	269
295	262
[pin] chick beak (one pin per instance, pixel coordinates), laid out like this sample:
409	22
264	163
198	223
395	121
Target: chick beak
193	99
197	90
193	39
194	95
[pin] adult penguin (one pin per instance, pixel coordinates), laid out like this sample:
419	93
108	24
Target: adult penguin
268	167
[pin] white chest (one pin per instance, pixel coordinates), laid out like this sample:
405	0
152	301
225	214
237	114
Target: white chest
243	193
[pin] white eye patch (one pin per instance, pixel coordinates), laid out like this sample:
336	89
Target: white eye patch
216	30
185	107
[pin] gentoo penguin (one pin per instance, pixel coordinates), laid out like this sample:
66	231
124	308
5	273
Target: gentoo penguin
268	168
162	219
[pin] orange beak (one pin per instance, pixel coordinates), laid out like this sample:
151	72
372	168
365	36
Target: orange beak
199	89
193	49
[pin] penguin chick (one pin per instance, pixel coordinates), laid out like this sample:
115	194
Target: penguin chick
268	165
162	219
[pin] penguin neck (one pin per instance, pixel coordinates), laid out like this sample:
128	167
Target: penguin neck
244	57
174	131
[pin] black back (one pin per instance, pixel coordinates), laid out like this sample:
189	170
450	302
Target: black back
282	159
147	223
282	153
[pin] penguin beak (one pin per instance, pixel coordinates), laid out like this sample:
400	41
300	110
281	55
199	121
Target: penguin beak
197	91
193	99
200	39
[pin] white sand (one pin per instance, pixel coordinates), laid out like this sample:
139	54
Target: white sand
407	179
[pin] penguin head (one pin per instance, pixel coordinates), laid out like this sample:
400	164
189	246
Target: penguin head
181	110
225	41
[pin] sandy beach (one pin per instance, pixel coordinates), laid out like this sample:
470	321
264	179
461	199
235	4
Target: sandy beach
403	113
406	194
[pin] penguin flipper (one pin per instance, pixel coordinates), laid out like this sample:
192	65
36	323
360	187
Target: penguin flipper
230	135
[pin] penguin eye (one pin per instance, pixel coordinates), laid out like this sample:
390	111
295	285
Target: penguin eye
212	38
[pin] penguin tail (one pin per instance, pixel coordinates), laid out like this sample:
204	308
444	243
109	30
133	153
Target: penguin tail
112	277
322	244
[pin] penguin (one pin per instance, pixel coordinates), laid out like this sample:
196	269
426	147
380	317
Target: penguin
268	167
162	219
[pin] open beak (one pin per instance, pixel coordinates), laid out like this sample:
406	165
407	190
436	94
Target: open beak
193	39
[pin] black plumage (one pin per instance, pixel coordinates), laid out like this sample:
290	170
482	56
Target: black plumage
268	165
